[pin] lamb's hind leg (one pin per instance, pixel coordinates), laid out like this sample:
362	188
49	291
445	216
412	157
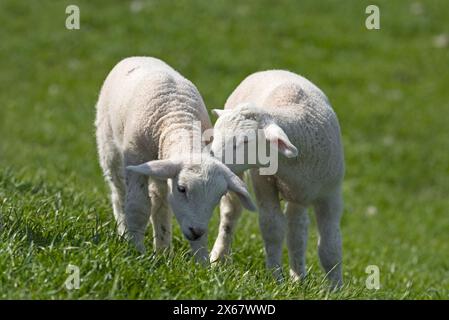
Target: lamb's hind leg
271	220
117	186
111	163
160	215
328	214
297	227
230	211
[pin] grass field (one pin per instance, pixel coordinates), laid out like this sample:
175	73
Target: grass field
389	88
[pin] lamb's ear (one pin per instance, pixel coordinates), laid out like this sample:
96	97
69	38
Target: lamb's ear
159	169
218	112
235	184
279	139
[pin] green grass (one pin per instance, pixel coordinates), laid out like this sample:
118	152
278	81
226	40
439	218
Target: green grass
388	87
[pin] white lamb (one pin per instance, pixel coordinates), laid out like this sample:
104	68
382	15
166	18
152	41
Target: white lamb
147	114
292	114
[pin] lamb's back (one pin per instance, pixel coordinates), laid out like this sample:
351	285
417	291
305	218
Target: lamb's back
274	88
141	91
305	114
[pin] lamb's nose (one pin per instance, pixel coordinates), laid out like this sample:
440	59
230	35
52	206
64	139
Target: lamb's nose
196	233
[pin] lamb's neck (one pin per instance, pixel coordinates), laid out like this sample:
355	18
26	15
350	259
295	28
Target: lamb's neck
180	140
294	123
275	115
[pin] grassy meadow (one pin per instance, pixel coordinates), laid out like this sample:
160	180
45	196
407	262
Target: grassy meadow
389	87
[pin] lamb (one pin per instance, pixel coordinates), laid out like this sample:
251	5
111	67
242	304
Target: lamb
290	113
147	116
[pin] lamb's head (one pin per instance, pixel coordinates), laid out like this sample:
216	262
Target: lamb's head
195	186
242	134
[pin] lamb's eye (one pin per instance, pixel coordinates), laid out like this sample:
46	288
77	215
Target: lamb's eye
181	189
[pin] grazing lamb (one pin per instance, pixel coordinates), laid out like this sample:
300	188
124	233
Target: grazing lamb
294	116
147	116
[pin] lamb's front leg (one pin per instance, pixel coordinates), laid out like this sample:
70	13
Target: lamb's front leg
199	249
230	211
160	215
137	208
271	220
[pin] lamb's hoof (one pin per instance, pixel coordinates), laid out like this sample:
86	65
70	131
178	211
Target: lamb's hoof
141	248
277	274
202	260
297	277
336	285
217	257
121	230
137	240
